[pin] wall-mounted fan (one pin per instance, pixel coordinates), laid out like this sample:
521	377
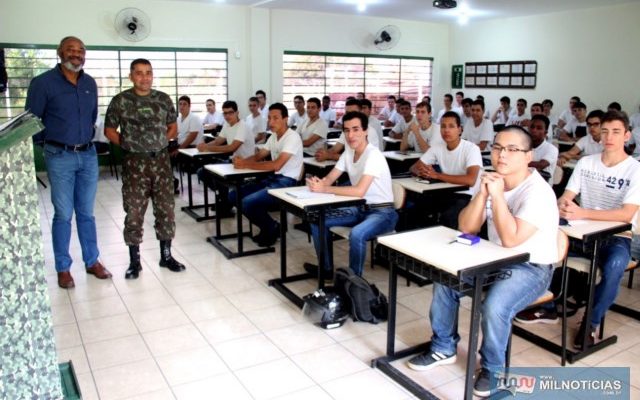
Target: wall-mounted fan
133	24
387	37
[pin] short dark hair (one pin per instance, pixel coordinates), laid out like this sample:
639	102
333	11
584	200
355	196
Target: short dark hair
478	103
615	105
137	61
610	116
467	101
315	101
505	99
352	102
521	131
261	92
537	105
547	101
366	103
253	99
325	97
522	101
460	93
210	100
364	120
451	114
298	97
543	118
479	97
284	113
596	114
185	98
580	104
448	96
362	93
424	104
575	98
230	104
391	97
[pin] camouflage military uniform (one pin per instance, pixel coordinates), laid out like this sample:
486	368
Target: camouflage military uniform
146	168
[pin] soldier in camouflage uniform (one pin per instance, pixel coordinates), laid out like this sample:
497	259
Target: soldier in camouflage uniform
147	121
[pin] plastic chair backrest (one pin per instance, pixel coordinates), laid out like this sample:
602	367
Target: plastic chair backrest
563	245
399	195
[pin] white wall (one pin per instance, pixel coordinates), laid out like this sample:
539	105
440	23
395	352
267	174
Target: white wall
591	53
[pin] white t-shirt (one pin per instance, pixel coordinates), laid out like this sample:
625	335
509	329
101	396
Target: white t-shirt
634	121
606	188
374	126
567	116
372	138
432	136
441	113
264	112
516	119
635	139
476	134
387	113
572	127
503	116
456	161
402	125
290	143
297	120
328	115
215	118
371	163
318	127
256	125
588	146
532	201
187	125
548	152
241	133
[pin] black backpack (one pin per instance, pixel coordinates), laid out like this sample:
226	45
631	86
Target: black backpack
365	300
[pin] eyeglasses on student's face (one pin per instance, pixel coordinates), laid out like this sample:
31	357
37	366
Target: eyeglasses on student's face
497	149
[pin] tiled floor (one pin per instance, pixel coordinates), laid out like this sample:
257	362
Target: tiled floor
218	331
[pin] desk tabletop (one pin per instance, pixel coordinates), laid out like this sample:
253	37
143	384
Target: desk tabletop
193	152
315	199
433	246
402	156
229	170
208	135
413	185
590	229
321	164
389	139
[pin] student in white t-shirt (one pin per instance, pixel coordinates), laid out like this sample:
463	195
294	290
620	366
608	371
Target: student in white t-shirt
327	113
214	118
547	106
262	104
586	145
502	114
465	111
299	116
545	154
404	121
609	188
235	138
520	115
576	127
388	112
456	161
567	115
447	101
478	130
313	130
189	126
255	122
374	123
518	207
422	134
371	179
285	148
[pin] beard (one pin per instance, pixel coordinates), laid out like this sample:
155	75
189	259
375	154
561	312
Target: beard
73	68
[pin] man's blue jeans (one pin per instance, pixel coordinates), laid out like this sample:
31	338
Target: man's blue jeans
256	201
74	179
504	299
366	226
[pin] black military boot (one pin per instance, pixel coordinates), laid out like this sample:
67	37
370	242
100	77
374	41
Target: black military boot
134	265
166	260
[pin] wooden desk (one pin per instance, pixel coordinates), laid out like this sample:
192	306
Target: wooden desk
313	210
590	235
228	175
194	159
429	254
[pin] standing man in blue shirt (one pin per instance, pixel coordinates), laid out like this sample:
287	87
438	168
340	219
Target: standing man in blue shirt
66	99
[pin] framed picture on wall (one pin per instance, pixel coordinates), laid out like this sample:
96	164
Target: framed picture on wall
530	68
505	68
481	69
470	69
492	69
503	81
516	68
529	81
469	80
502	74
492	80
516	80
481	80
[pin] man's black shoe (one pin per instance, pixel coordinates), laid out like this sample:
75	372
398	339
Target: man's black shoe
267	241
312	269
133	271
172	264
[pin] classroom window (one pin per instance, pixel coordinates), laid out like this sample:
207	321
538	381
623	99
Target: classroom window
197	74
343	75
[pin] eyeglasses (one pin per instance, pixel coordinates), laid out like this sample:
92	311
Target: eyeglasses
496	148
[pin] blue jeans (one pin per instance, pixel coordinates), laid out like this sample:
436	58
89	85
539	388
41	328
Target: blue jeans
74	179
366	226
504	299
256	202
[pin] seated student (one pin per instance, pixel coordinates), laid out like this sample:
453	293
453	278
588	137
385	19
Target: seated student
567	115
447	101
374	123
298	117
235	138
545	154
520	114
285	148
422	134
487	113
459	162
547	106
388	112
478	130
586	145
313	129
518	206
189	126
256	123
405	120
502	114
576	127
213	119
465	110
369	173
327	113
600	200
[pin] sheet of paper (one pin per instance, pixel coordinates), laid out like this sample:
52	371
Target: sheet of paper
307	194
